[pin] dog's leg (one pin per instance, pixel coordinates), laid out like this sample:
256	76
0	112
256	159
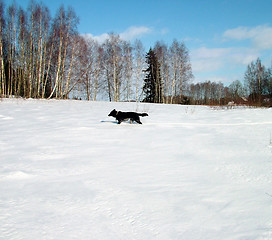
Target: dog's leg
138	121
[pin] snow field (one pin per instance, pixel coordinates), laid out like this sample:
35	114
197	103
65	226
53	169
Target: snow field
68	171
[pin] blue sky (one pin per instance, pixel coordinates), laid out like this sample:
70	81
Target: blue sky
223	36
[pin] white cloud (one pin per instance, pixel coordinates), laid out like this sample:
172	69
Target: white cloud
226	64
210	53
239	33
243	56
208	59
219	64
261	36
134	32
99	38
211	59
202	65
128	35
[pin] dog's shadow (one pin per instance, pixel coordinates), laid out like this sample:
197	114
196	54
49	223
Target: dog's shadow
116	122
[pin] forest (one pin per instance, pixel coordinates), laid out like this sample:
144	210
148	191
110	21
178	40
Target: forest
46	57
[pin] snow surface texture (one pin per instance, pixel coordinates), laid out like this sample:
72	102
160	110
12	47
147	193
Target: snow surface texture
68	171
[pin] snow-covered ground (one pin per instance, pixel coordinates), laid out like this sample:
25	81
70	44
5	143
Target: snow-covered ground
68	171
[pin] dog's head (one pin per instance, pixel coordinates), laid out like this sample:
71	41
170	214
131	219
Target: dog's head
113	113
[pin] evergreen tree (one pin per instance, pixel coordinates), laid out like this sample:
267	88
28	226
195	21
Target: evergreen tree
152	83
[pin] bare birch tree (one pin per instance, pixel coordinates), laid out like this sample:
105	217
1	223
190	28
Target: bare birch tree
11	49
140	61
64	28
181	70
2	66
161	51
127	61
98	68
113	66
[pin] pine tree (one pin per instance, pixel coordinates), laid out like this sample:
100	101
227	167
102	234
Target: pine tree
152	83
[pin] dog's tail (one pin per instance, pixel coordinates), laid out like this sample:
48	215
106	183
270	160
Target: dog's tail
143	114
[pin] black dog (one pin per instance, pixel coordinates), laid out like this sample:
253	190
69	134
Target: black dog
123	116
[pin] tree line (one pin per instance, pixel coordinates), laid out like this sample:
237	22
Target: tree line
256	89
36	52
45	57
